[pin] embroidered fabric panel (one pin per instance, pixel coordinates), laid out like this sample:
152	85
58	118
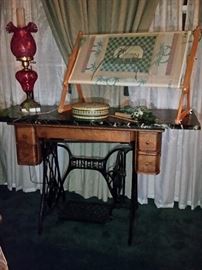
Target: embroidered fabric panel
128	54
149	59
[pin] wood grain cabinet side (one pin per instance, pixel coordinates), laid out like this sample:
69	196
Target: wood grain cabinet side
28	146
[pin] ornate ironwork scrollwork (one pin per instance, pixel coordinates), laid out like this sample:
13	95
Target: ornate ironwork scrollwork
53	190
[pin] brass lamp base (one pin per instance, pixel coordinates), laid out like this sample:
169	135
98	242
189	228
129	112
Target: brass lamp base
29	105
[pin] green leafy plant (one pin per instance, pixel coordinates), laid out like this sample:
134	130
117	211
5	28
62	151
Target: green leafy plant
141	114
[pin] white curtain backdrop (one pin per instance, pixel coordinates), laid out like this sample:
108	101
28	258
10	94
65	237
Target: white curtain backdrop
181	172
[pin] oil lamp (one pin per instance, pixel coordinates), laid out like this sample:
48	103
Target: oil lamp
23	47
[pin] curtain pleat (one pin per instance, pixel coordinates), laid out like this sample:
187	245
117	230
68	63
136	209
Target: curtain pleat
67	18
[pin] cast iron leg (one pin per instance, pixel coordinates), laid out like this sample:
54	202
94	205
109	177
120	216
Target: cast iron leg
52	188
42	205
134	200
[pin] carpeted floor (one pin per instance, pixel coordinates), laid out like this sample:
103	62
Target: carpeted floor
165	239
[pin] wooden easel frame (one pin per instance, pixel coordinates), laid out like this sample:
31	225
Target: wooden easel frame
71	61
184	107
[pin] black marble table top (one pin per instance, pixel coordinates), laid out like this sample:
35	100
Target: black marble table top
165	118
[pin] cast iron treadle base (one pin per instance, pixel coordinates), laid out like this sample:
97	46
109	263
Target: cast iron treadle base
86	211
53	190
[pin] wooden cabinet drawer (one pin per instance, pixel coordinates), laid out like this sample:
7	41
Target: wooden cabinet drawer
148	152
28	146
149	164
25	134
149	141
28	154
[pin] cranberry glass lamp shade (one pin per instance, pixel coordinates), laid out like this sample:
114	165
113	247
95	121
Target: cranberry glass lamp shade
22	44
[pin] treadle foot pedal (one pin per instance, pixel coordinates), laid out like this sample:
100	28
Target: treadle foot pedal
86	211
